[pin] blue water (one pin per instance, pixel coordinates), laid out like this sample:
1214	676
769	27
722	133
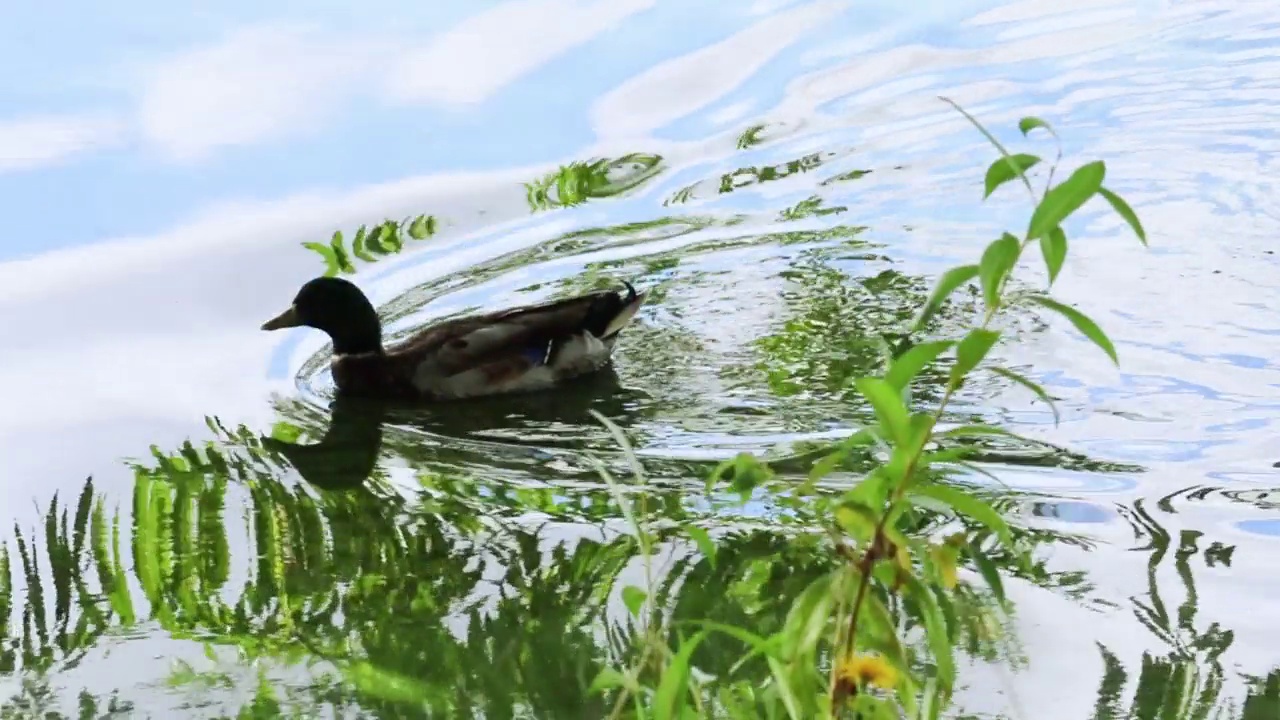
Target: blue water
160	166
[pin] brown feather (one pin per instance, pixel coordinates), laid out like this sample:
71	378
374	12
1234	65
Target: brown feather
467	342
495	345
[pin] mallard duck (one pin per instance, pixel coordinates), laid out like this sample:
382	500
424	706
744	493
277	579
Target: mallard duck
520	349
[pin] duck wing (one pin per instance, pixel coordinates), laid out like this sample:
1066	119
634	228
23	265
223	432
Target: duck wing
508	342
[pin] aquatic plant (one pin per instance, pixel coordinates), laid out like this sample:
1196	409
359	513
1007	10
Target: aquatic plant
578	182
875	636
568	185
865	616
371	244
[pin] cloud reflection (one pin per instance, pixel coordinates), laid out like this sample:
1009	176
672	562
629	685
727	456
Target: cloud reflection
257	83
35	141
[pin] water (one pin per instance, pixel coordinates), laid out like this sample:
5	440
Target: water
784	176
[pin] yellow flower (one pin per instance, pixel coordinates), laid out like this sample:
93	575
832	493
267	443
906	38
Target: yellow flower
863	670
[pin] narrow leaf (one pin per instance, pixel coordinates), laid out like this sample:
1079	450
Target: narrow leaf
884	627
325	252
920	429
971	430
909	364
673	688
1054	249
1065	198
611	678
832	460
947	284
341	255
358	247
972	349
1032	386
1007	168
807	618
1123	210
703	541
1082	322
887	404
969	505
989	571
758	644
997	260
782	684
935	632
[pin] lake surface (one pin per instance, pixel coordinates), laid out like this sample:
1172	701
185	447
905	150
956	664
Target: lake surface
785	178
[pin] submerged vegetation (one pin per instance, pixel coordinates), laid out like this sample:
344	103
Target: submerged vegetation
371	244
839	580
874	636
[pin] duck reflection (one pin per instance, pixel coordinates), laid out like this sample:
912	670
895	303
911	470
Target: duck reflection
528	417
348	453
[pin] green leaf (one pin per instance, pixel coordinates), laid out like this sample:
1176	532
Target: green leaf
997	260
391	235
971	430
948	455
1054	249
374	239
634	599
947	284
1030	385
931	702
1007	168
1065	198
976	468
920	429
935	631
1004	153
909	364
359	248
989	571
807	619
340	254
782	684
1029	123
386	684
759	645
743	473
971	350
1123	210
611	678
884	626
969	505
829	462
887	404
1082	322
330	257
703	541
857	519
673	687
420	229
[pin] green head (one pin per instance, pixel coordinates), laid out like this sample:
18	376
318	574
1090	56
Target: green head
340	310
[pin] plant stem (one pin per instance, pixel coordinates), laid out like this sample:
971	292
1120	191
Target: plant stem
877	537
